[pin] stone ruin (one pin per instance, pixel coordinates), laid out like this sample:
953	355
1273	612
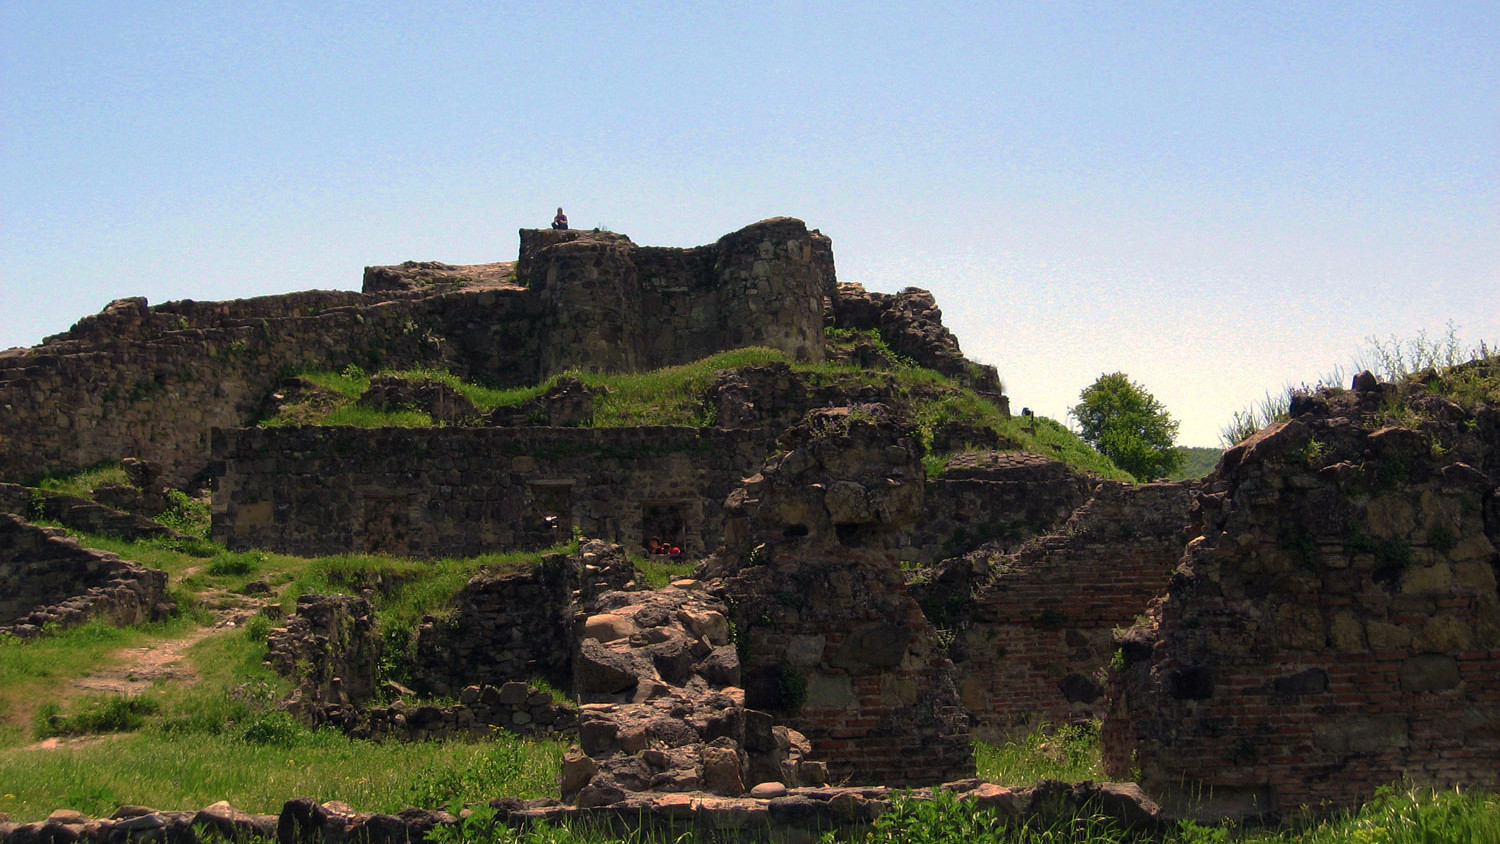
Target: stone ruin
48	580
1316	619
1334	624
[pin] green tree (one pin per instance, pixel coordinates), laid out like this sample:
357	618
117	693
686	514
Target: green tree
1129	426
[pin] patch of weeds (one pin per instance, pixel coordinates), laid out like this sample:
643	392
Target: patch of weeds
186	515
236	564
1071	753
272	727
83	483
258	628
659	571
1442	538
114	714
503	765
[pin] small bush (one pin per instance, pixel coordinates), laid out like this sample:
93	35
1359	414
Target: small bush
272	727
113	714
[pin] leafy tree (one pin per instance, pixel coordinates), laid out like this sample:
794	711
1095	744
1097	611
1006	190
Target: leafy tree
1129	426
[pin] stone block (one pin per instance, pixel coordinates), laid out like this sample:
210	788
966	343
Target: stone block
1429	673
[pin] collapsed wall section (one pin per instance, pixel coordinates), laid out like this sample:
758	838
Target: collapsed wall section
830	641
1336	628
47	579
152	382
433	492
1032	630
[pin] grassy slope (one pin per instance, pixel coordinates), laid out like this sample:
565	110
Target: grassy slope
671	396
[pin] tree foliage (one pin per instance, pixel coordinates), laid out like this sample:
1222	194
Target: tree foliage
1129	426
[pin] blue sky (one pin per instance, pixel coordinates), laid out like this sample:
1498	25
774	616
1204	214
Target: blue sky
1214	198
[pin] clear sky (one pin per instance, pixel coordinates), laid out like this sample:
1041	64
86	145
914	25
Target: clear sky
1216	198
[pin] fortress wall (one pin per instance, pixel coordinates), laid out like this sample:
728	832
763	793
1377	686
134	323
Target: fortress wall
1337	626
151	382
48	579
1009	497
134	381
830	640
612	306
1032	630
465	491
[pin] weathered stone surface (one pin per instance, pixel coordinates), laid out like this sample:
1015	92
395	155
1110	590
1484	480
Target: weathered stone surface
1332	600
48	579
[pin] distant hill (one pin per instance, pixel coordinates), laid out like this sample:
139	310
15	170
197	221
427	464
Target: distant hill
1197	462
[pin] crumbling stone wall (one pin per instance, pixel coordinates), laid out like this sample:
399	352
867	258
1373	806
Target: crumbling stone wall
993	496
1032	629
465	491
614	306
152	382
80	514
330	649
911	324
505	626
48	579
801	814
1336	627
830	641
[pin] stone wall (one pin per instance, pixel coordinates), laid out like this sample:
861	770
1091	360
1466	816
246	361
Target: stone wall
1336	627
152	382
1032	629
615	307
999	497
911	324
330	649
789	815
505	626
830	641
48	579
80	514
432	492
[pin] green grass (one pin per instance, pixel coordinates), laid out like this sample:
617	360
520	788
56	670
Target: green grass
39	670
191	771
1072	753
674	396
660	571
82	484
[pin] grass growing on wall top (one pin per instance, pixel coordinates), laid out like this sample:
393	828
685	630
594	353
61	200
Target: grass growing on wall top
82	484
674	395
1072	753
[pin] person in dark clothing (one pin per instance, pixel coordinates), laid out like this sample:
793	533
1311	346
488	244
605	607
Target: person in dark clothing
560	222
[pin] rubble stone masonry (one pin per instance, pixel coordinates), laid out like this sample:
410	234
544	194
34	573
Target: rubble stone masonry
1336	627
434	492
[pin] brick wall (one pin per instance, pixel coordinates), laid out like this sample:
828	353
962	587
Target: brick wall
1033	629
1336	627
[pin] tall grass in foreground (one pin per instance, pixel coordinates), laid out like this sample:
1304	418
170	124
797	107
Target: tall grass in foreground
1072	753
191	771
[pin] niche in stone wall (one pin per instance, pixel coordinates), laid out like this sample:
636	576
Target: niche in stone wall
387	524
551	518
666	521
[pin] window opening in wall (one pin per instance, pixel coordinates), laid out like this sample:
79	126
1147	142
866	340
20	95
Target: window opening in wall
387	525
551	511
664	527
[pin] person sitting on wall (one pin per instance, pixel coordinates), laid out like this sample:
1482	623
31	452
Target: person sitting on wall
560	222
